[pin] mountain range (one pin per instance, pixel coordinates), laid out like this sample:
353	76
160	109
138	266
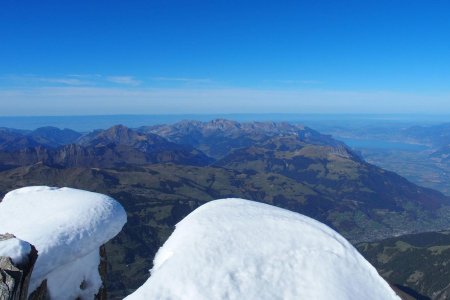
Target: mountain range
161	173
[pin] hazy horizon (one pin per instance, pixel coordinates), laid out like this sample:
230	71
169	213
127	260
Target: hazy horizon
158	57
91	122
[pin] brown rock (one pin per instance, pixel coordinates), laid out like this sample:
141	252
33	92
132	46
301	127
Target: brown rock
14	279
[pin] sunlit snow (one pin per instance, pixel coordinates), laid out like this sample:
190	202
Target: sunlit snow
239	249
15	249
67	227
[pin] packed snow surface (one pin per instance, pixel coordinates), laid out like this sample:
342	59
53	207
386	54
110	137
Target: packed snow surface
15	249
239	249
67	227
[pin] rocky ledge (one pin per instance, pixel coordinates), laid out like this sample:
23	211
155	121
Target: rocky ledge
16	267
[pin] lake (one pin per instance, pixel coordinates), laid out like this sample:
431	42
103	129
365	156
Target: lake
381	144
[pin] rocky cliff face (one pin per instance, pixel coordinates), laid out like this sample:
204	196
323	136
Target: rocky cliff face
14	276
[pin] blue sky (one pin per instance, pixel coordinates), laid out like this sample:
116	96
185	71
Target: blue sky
137	57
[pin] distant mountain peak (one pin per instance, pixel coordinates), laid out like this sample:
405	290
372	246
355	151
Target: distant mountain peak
119	134
118	128
218	137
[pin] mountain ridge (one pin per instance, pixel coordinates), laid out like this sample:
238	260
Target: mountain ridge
291	166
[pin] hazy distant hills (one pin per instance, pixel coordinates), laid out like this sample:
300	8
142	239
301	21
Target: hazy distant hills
162	173
438	138
51	137
419	153
436	135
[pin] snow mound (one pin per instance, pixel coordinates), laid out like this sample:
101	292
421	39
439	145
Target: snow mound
239	249
67	227
15	249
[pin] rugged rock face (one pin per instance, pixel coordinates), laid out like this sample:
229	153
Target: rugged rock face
14	278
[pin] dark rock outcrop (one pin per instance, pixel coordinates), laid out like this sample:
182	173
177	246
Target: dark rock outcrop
14	278
41	293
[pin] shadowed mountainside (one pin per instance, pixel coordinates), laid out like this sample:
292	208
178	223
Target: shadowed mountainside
418	262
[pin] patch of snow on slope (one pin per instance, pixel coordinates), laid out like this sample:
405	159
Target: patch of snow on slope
67	227
15	249
239	249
